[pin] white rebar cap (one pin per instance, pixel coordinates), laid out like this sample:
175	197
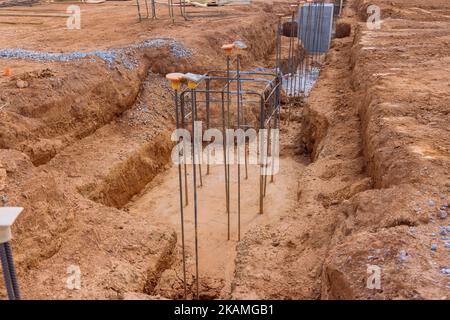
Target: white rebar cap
241	45
194	77
7	217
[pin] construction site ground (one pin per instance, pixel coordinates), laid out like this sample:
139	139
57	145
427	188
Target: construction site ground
85	125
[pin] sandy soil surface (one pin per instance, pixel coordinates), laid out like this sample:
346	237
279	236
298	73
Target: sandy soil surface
85	148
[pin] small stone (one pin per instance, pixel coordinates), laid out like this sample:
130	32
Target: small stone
5	200
448	229
442	231
21	84
434	247
447	244
442	214
403	256
445	271
431	203
441	195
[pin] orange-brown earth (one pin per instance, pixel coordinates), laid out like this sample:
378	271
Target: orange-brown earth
85	148
376	126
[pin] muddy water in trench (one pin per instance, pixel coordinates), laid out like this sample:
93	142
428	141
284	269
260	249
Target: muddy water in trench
160	203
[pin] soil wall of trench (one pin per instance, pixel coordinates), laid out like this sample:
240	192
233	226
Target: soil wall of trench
365	200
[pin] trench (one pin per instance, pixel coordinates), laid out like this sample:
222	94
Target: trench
143	186
141	181
159	202
355	184
216	253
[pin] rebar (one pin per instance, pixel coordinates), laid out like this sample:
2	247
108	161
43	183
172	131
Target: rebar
180	183
194	174
183	125
227	159
203	94
238	85
7	274
12	269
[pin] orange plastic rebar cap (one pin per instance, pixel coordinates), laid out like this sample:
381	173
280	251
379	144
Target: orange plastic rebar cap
7	72
175	79
228	48
175	76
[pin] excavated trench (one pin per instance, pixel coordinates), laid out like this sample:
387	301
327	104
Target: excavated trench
121	159
101	192
80	168
139	185
140	180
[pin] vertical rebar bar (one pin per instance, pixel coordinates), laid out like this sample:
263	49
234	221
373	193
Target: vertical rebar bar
146	8
195	115
261	155
208	119
183	125
194	174
301	37
238	85
267	154
278	46
180	182
139	10
227	160
183	9
6	273
12	269
295	23
225	157
307	45
153	9
171	14
290	56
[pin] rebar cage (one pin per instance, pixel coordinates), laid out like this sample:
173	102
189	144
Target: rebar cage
232	103
307	35
148	9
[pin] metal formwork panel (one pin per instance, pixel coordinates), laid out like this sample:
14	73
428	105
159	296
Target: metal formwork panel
315	24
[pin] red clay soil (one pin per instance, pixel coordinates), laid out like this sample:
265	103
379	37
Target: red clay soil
376	126
82	138
85	149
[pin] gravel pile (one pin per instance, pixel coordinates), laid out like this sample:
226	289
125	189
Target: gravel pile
124	56
16	3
